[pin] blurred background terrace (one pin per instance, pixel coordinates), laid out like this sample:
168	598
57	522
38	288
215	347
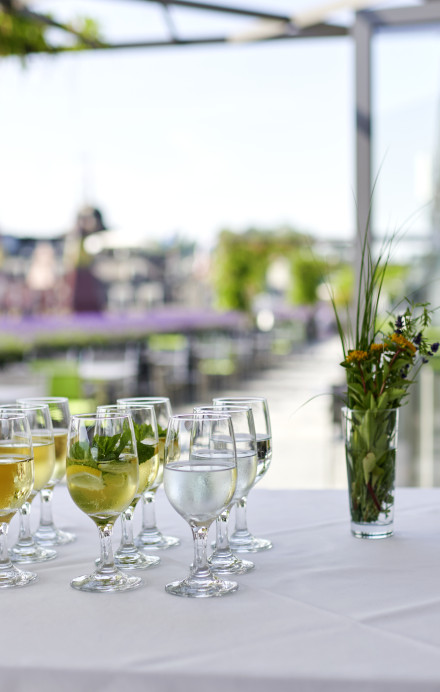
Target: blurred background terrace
183	185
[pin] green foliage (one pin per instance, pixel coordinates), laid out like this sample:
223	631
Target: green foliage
307	276
23	34
103	448
145	451
20	35
241	262
371	456
380	376
87	32
110	448
380	362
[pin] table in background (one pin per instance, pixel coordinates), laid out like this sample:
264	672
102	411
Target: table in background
321	611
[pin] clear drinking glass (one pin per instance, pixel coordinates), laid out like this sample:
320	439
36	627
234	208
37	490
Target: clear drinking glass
199	481
16	481
47	533
150	537
223	560
242	540
26	549
102	479
127	556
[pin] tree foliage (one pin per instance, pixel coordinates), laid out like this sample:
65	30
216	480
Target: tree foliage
24	33
241	262
308	272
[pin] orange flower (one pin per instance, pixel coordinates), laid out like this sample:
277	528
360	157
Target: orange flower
356	357
402	342
377	348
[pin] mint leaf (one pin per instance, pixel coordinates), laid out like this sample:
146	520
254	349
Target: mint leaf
110	448
143	431
77	452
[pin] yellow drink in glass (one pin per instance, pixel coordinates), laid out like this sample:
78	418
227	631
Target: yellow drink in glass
148	471
159	477
16	481
44	462
105	489
60	439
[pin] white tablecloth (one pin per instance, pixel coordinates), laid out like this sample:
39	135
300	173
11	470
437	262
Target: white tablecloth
321	611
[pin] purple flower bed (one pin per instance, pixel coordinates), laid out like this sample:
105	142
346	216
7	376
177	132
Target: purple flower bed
163	320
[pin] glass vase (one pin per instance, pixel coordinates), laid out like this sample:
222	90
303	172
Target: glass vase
370	451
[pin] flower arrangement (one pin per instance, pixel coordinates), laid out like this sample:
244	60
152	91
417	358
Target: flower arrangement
381	363
379	373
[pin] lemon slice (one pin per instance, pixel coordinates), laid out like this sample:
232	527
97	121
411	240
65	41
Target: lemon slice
85	477
74	469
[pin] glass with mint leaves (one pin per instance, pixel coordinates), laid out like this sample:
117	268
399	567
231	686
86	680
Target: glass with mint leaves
102	478
381	359
128	556
150	537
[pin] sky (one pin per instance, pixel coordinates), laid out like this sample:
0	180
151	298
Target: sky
192	140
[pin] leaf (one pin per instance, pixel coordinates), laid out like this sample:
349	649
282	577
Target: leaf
80	454
368	464
110	448
162	432
77	451
146	452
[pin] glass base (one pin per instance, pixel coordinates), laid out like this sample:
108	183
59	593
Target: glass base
50	535
101	582
228	563
134	559
154	540
31	552
245	542
194	588
371	530
13	577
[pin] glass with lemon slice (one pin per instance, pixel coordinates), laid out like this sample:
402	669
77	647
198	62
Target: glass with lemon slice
102	478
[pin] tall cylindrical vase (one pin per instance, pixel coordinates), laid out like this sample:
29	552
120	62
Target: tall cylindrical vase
370	452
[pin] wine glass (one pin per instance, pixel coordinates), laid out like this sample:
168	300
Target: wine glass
127	556
47	533
26	549
223	560
16	480
102	478
150	537
242	541
199	481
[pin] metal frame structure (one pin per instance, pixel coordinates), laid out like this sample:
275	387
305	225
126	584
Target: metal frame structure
365	24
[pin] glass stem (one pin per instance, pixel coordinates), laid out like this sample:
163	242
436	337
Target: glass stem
221	532
46	518
240	516
24	533
200	568
107	562
127	528
149	512
5	562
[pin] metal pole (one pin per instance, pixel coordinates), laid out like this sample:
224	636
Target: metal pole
362	32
